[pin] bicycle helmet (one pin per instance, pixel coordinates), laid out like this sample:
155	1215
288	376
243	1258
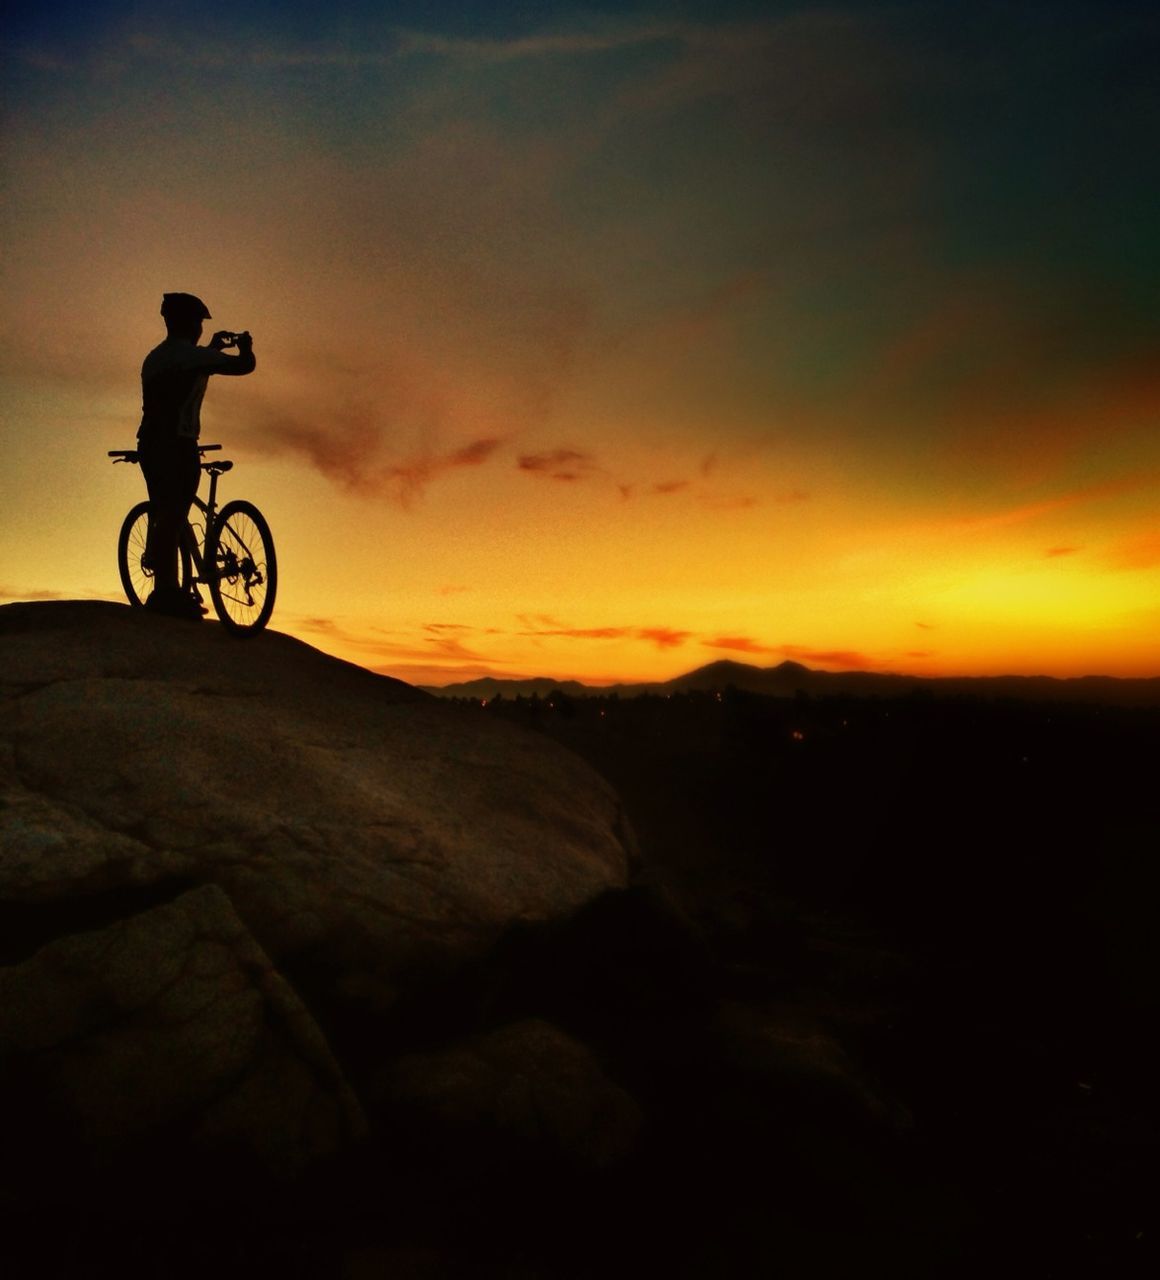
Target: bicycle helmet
184	306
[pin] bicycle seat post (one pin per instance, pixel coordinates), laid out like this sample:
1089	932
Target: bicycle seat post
211	504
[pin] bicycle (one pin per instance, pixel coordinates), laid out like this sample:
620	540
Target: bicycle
231	552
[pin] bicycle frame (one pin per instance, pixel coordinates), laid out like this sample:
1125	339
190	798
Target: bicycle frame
189	533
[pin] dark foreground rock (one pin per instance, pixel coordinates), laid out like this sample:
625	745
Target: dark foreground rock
171	1024
346	816
527	1093
224	867
249	896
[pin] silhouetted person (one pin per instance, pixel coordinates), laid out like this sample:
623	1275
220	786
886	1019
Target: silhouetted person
173	380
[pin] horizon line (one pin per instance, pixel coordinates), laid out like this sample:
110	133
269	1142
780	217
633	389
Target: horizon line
429	676
620	682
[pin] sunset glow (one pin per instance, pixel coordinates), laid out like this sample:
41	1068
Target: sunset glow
606	342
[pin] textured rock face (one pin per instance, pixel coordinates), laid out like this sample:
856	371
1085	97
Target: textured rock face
173	1021
523	1092
185	819
346	816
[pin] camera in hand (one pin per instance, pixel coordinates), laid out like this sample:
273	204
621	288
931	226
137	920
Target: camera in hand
231	339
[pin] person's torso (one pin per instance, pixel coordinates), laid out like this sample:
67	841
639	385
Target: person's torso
173	381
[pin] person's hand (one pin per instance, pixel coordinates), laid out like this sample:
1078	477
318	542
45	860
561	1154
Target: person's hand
244	341
223	338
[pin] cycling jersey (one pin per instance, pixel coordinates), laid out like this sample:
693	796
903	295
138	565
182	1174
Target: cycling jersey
173	380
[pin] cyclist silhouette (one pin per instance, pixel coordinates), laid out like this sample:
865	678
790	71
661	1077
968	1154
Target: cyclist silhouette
173	382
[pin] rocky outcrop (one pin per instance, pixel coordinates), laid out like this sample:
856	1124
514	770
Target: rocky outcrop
297	954
171	1022
347	816
523	1093
209	848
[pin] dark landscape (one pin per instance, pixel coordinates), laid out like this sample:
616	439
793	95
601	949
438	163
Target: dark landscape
309	973
790	679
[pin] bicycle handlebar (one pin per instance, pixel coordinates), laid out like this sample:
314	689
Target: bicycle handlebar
130	455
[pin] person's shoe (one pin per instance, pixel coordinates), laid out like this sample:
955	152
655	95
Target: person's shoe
190	608
174	603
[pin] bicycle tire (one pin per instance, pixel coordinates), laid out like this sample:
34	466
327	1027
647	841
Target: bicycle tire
242	568
136	578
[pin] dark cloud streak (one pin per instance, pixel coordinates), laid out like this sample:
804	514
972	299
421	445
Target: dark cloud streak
348	455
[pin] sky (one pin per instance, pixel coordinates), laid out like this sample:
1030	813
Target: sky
605	341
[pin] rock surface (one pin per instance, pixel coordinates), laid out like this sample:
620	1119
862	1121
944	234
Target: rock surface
348	817
522	1093
171	1022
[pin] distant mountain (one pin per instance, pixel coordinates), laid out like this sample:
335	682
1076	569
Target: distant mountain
788	679
489	687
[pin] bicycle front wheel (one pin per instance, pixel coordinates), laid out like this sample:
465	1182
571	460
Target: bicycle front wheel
133	563
242	568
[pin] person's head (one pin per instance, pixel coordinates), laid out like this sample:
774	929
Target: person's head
183	315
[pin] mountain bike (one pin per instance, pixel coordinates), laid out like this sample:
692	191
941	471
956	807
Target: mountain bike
230	552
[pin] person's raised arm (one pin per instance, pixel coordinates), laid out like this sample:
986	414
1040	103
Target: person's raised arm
243	362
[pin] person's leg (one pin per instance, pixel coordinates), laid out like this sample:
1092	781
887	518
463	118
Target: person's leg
189	478
157	459
172	472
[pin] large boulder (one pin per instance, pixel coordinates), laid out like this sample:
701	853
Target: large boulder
523	1094
352	821
169	1023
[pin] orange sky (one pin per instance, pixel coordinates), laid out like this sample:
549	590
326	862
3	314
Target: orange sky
609	348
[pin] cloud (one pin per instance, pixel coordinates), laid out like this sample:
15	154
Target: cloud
407	480
582	633
664	637
739	644
546	45
1052	552
726	502
379	645
11	593
849	658
320	626
669	486
926	626
450	647
559	464
348	454
384	48
534	620
1026	512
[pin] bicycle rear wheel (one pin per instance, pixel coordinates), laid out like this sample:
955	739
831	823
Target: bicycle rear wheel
242	568
136	572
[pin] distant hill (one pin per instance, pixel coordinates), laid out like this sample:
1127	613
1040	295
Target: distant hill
788	679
